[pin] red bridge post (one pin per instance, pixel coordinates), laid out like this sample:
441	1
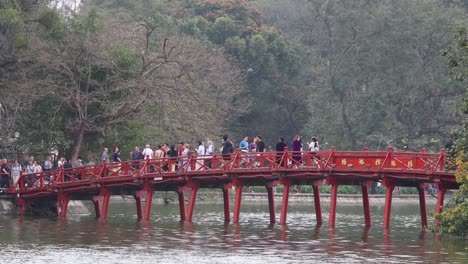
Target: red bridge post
62	204
388	201
181	195
365	203
138	206
284	205
193	199
271	202
148	203
334	194
227	212
318	208
104	196
422	206
21	206
440	200
97	207
237	202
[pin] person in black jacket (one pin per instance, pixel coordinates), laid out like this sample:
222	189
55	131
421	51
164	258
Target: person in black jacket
280	146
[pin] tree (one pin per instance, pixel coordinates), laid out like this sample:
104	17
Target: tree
88	74
17	18
454	220
273	65
374	70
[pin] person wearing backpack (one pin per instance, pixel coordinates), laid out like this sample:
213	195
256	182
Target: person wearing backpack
228	148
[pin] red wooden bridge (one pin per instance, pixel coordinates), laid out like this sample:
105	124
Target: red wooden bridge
54	189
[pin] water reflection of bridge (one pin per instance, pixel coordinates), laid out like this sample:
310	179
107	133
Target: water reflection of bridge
52	190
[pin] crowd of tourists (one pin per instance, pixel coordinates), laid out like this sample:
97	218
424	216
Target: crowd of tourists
11	171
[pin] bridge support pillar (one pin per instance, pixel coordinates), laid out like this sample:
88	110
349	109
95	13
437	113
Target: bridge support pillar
284	205
181	195
440	200
227	212
365	204
148	203
104	196
388	202
318	207
193	198
138	206
97	208
237	202
271	203
21	206
62	204
105	205
334	194
422	206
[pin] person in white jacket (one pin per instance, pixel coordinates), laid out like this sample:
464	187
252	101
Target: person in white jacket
147	152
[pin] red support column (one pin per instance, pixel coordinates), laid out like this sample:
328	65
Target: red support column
227	213
148	202
138	206
21	206
284	205
193	198
237	203
271	203
105	205
97	208
62	204
388	203
104	196
422	206
440	201
365	204
182	210
334	192
318	207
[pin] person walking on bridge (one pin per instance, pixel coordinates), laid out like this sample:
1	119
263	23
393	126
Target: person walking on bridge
280	146
296	147
201	151
15	172
209	154
105	156
5	174
244	148
147	152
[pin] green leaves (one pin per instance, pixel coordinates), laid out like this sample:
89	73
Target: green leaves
223	28
126	59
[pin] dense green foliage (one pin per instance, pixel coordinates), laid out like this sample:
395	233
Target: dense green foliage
116	72
374	70
454	220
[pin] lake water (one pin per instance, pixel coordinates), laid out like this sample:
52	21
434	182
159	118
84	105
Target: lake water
164	239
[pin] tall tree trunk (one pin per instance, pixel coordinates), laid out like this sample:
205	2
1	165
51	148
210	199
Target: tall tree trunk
347	126
77	143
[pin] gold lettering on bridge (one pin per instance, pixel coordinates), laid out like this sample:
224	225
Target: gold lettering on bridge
361	162
378	162
344	162
410	163
393	163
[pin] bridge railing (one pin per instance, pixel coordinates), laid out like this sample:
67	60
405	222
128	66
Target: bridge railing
390	160
36	181
329	160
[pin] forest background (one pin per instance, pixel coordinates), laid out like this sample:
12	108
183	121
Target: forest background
77	76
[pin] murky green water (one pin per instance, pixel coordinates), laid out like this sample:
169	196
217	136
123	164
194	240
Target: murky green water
123	239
